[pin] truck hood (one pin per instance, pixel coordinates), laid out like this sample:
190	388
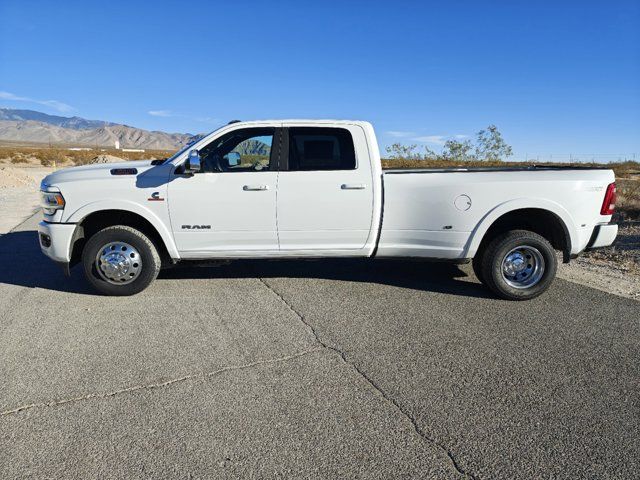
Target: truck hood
94	171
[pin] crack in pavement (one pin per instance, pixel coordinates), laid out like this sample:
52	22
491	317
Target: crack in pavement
375	386
202	376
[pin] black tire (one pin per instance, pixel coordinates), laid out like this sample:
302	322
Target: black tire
492	264
149	265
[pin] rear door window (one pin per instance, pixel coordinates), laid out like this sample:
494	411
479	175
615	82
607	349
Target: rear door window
312	148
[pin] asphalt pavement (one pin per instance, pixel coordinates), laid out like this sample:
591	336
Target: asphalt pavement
314	369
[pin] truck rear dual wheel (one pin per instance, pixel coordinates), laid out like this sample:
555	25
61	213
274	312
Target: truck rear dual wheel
517	265
120	260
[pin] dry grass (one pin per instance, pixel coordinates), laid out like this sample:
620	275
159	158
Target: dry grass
62	156
624	253
621	169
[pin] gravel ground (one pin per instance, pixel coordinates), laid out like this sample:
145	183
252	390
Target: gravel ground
625	253
614	269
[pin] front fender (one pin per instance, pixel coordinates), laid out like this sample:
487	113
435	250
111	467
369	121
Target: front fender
125	205
517	204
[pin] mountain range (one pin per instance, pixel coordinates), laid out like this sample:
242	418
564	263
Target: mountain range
30	126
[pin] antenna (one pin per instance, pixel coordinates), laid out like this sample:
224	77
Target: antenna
233	121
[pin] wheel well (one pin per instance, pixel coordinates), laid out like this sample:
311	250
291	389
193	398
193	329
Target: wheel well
96	221
543	222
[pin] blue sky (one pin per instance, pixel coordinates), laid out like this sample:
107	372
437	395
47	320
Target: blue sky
555	77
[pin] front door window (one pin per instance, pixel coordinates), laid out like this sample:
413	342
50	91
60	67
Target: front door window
246	150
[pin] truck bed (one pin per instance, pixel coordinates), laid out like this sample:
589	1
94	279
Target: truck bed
444	216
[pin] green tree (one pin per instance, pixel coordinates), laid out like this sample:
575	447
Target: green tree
458	151
490	146
399	151
410	152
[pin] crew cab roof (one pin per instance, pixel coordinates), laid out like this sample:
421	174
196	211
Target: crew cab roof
301	120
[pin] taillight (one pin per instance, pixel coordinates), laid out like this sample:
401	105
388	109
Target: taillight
609	204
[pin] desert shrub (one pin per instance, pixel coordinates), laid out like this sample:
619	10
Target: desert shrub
82	157
46	162
146	155
399	151
628	198
19	158
13	152
489	147
77	157
49	156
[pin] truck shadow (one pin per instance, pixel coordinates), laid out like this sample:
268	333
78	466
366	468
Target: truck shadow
410	274
25	265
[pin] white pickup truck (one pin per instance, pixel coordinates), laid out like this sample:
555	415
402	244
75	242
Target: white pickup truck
312	188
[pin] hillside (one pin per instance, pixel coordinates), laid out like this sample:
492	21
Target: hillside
29	126
253	147
75	123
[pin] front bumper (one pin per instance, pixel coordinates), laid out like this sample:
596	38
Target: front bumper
55	240
603	236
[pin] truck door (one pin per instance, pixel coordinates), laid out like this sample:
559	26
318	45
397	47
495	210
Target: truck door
229	207
325	189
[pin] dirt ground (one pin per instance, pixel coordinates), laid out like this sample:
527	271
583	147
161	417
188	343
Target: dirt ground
20	184
614	269
19	192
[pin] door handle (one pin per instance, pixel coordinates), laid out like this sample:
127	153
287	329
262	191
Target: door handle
255	188
353	186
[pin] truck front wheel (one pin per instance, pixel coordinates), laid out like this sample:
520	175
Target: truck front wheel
120	260
518	265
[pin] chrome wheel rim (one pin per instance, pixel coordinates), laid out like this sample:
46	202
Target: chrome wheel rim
118	263
523	267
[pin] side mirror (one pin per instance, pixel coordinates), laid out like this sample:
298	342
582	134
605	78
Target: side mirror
192	165
233	159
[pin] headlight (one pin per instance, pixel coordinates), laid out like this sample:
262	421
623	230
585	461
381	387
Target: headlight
51	201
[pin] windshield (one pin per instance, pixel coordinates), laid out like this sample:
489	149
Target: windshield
196	138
